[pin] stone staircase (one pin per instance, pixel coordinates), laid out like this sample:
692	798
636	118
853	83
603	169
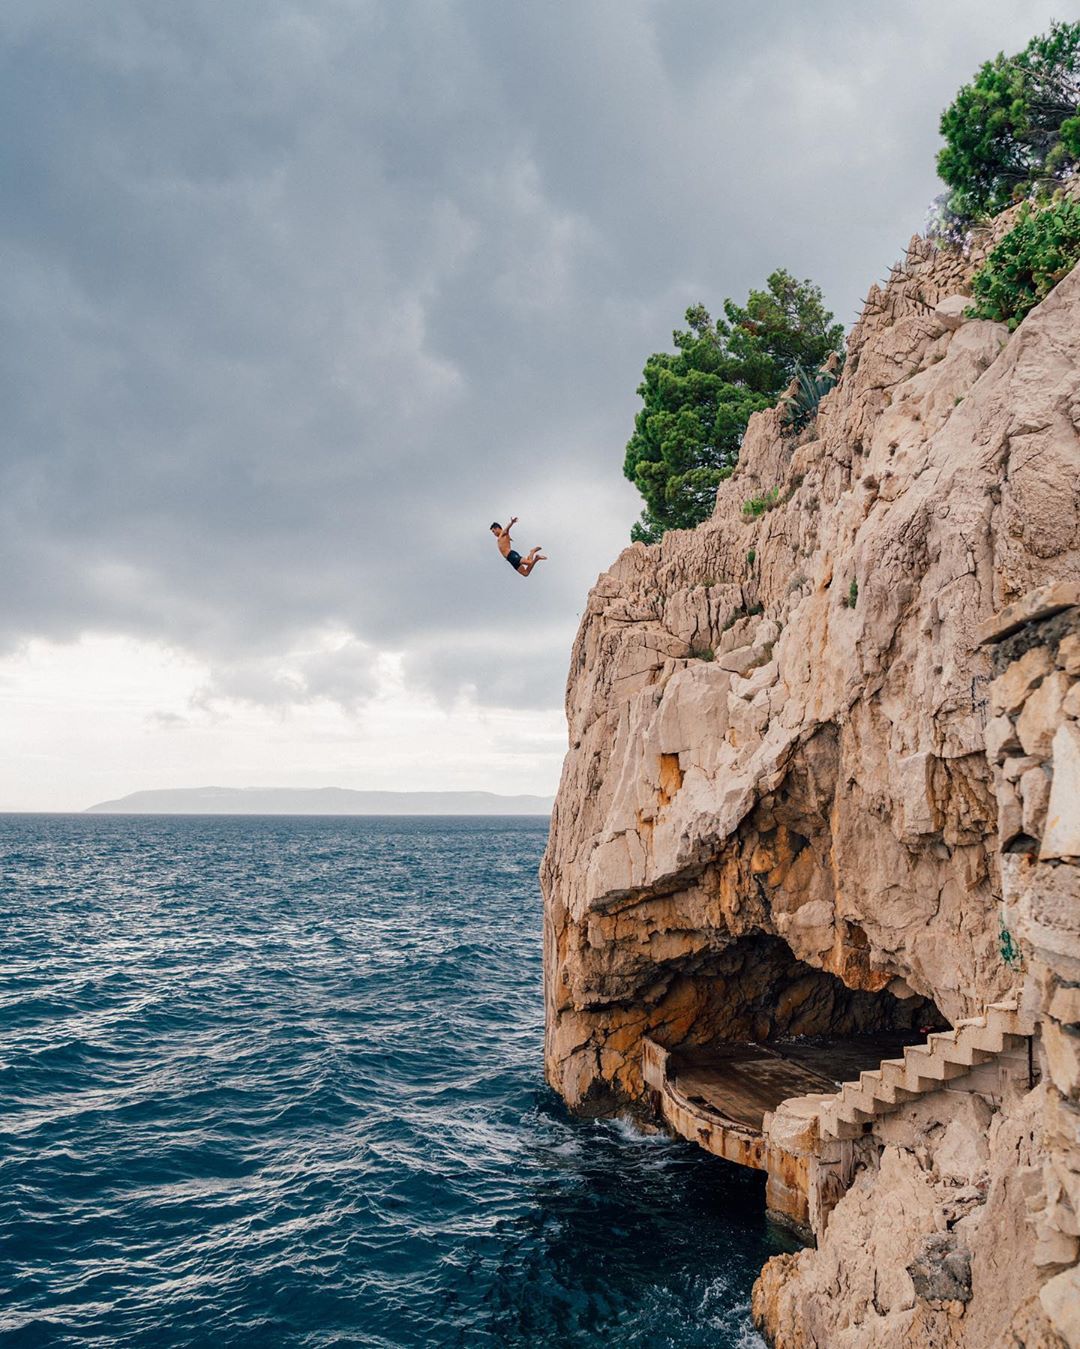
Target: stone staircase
980	1051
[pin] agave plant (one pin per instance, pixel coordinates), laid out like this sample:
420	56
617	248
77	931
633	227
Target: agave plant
800	402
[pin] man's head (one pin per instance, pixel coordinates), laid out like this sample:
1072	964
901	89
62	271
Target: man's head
496	528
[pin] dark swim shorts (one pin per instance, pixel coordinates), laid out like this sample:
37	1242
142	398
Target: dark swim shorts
513	558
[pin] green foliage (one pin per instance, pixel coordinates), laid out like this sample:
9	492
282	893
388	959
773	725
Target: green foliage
701	653
697	400
751	557
1041	249
782	328
1010	953
853	593
800	408
756	506
1014	125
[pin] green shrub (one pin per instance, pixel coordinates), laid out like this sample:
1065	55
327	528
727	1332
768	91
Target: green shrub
1041	249
1013	127
701	653
756	506
751	557
1007	948
851	598
801	407
697	400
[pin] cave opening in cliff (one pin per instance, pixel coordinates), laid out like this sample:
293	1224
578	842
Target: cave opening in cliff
758	990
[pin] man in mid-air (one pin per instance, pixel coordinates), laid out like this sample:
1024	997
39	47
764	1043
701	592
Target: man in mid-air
522	565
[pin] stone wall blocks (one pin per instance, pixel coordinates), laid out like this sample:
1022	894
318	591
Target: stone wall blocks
1068	654
951	311
1034	605
1065	1004
1041	715
1009	691
1062	1049
1035	795
1060	1299
1002	741
1061	837
1054	1248
1010	813
1063	1217
1014	769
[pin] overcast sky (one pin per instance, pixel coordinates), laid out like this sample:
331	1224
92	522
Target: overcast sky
299	295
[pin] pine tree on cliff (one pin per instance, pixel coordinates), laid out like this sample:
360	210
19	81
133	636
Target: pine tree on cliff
697	400
1017	124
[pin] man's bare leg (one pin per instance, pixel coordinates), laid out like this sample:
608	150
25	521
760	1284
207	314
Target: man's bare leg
527	563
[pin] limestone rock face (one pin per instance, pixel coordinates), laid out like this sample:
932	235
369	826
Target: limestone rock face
788	790
922	1251
778	726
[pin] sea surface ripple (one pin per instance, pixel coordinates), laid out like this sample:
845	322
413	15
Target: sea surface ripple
278	1081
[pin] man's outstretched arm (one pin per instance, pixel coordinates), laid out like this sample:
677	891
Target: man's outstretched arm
506	528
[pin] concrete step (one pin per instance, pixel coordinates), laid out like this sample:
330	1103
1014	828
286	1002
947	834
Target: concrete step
892	1072
892	1096
930	1066
976	1048
986	1039
830	1122
1008	1017
858	1103
960	1048
889	1089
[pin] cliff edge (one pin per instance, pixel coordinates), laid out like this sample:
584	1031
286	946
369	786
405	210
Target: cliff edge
779	812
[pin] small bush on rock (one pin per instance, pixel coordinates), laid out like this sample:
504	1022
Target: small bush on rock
1041	249
756	506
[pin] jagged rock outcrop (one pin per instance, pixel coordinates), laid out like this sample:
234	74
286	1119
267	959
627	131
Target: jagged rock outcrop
779	734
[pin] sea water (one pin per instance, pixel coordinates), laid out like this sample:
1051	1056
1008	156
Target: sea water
278	1081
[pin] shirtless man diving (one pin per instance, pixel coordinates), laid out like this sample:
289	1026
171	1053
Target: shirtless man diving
522	565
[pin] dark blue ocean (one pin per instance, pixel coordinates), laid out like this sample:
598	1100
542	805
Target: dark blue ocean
278	1081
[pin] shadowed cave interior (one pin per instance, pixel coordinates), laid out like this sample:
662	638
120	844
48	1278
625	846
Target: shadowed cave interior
758	990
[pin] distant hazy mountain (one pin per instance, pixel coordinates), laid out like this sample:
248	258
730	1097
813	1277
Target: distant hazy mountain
317	801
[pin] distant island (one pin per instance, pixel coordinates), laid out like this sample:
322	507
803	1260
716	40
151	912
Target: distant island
316	801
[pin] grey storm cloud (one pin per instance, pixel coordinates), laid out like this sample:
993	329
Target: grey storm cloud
298	297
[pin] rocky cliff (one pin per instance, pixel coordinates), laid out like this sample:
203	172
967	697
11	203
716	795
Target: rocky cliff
778	814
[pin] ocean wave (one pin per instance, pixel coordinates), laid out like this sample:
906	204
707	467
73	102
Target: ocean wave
278	1082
